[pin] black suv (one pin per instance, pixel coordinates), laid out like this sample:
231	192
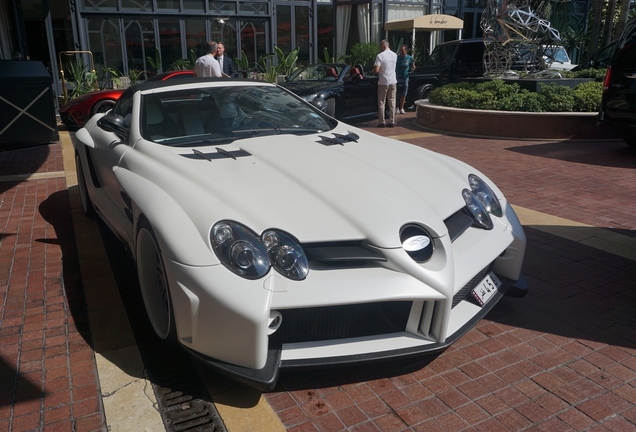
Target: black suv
618	106
448	62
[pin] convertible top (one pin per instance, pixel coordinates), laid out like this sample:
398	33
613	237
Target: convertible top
147	85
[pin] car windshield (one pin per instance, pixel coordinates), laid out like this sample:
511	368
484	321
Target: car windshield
321	72
558	54
218	115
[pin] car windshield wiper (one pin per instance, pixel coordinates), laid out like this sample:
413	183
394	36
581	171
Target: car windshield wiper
275	131
204	141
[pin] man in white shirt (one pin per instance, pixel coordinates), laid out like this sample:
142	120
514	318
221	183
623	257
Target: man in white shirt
207	65
384	67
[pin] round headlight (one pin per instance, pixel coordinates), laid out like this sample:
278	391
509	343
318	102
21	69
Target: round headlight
239	249
477	210
485	195
286	255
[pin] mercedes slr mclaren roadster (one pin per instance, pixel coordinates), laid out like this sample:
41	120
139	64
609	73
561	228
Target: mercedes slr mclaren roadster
268	235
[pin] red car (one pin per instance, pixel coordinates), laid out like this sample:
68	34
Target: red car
79	110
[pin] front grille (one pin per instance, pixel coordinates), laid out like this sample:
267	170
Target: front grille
338	322
465	291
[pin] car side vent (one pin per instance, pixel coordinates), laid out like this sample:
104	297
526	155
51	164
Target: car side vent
339	139
457	223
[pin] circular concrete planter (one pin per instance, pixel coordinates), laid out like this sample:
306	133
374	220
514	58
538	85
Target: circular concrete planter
507	124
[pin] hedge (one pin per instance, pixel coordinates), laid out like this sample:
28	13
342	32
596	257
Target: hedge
500	96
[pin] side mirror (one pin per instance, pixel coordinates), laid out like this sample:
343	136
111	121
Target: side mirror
114	123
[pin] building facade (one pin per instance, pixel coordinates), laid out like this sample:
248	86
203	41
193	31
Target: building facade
150	35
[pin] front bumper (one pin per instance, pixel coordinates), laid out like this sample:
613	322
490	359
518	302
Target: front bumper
265	379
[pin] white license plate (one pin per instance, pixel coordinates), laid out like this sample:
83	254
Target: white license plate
487	288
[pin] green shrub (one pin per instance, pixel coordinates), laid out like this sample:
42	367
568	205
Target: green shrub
364	54
557	98
497	95
587	96
596	74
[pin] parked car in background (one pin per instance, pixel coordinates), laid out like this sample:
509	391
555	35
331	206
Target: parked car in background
268	235
342	91
618	104
599	60
79	110
557	58
452	62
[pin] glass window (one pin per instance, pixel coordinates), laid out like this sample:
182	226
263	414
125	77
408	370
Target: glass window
325	31
222	8
170	42
302	33
135	5
140	44
105	43
224	31
283	28
195	37
168	5
258	9
103	5
194	5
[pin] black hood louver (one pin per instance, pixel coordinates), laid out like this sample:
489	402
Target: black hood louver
339	139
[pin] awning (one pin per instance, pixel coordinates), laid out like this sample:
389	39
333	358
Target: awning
426	22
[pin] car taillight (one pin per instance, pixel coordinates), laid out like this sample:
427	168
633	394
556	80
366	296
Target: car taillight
608	76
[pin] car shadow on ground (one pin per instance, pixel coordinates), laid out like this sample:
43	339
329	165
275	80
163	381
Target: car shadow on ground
609	153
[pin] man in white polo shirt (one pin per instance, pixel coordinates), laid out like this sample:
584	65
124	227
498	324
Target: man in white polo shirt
207	65
384	67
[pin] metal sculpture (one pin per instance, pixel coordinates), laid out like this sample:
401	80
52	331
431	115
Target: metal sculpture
514	33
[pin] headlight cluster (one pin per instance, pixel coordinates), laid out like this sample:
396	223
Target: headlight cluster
481	202
249	255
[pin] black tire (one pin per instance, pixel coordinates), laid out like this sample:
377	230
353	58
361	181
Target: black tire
153	283
423	91
330	107
102	106
85	199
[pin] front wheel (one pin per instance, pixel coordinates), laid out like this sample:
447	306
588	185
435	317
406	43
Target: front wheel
102	106
423	91
85	199
154	284
330	107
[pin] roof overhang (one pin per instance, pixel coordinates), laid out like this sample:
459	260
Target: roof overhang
426	22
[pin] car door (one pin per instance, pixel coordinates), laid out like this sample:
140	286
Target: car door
620	95
106	154
360	96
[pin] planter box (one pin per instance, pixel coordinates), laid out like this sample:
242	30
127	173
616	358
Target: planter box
508	124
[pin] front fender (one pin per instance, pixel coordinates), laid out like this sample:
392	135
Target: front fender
178	237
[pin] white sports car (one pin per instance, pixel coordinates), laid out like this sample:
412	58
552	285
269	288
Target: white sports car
269	235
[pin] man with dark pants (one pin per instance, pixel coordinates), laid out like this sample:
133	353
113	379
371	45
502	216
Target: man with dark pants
226	63
384	67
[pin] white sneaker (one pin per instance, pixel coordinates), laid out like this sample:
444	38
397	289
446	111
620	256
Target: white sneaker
401	111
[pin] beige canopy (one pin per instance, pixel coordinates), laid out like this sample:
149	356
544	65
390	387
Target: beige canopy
426	22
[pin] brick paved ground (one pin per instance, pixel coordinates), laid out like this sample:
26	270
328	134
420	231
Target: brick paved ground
561	359
47	369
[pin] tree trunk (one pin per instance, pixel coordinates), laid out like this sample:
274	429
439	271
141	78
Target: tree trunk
609	22
595	35
622	18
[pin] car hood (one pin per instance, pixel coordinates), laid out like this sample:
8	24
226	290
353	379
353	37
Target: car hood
303	88
316	191
97	95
